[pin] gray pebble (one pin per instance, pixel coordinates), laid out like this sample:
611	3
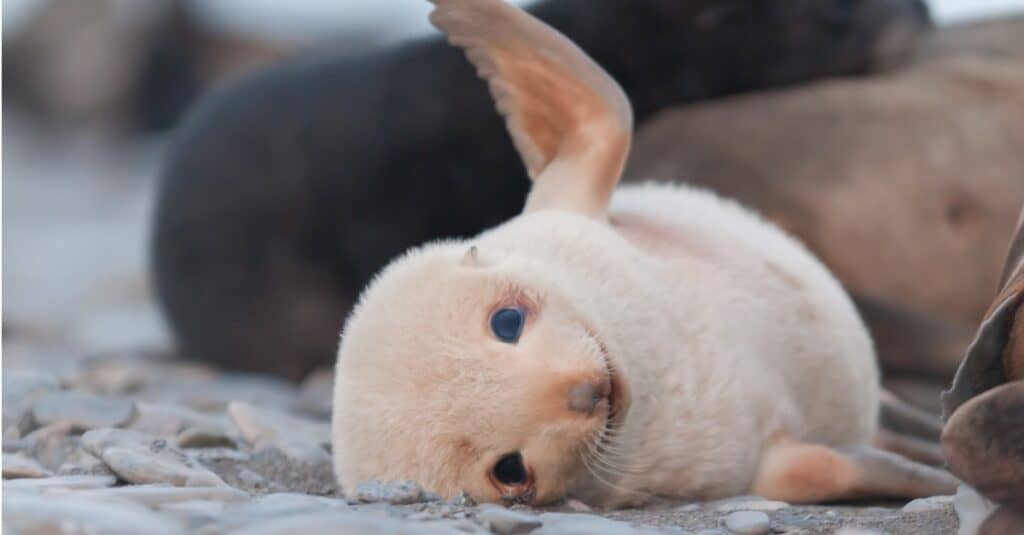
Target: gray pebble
932	503
748	522
198	437
21	389
299	438
82	410
394	492
168	421
329	522
16	465
581	524
316	394
61	482
33	513
154	495
139	458
752	505
505	522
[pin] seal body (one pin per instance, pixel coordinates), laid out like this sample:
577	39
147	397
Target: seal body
609	344
729	331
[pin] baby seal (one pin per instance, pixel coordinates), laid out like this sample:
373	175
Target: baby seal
609	345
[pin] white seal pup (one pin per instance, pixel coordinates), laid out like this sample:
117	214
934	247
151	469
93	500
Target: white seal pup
606	344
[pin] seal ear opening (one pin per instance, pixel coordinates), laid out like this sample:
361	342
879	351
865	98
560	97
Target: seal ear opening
569	120
472	258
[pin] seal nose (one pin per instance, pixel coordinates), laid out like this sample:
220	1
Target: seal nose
585	396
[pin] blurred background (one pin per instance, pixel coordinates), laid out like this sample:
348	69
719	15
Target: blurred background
92	89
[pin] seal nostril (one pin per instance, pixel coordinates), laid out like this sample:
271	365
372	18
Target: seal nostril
585	396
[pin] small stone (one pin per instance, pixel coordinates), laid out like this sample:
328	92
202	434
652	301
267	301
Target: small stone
329	522
35	513
581	524
505	522
755	505
971	508
578	506
316	394
84	411
155	495
273	506
197	437
303	439
168	421
16	465
61	483
395	493
139	458
931	503
748	522
21	388
462	500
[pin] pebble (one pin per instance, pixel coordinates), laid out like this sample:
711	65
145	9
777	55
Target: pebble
34	513
756	505
928	504
581	524
505	522
16	465
155	495
316	394
748	522
971	509
394	492
21	388
276	505
170	421
61	483
302	439
82	410
140	458
330	522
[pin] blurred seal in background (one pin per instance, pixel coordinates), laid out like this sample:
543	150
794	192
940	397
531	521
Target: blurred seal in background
283	193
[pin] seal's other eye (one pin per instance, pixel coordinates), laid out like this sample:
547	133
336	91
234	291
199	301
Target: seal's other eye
509	469
507	324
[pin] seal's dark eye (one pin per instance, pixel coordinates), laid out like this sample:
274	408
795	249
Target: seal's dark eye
507	324
509	469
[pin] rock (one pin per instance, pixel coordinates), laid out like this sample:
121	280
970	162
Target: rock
156	495
60	483
196	437
130	372
33	513
216	393
331	522
21	390
170	421
273	506
395	493
577	506
753	505
16	465
194	513
505	522
581	524
139	458
81	462
748	522
306	439
854	530
316	394
971	508
82	410
51	445
932	503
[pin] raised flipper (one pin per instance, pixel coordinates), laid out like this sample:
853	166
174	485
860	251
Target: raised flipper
570	122
811	473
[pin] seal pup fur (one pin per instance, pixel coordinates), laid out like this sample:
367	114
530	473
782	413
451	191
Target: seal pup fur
606	344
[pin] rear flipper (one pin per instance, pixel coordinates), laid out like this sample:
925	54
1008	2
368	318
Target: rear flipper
810	473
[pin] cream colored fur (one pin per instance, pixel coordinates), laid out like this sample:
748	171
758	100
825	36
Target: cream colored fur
724	334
